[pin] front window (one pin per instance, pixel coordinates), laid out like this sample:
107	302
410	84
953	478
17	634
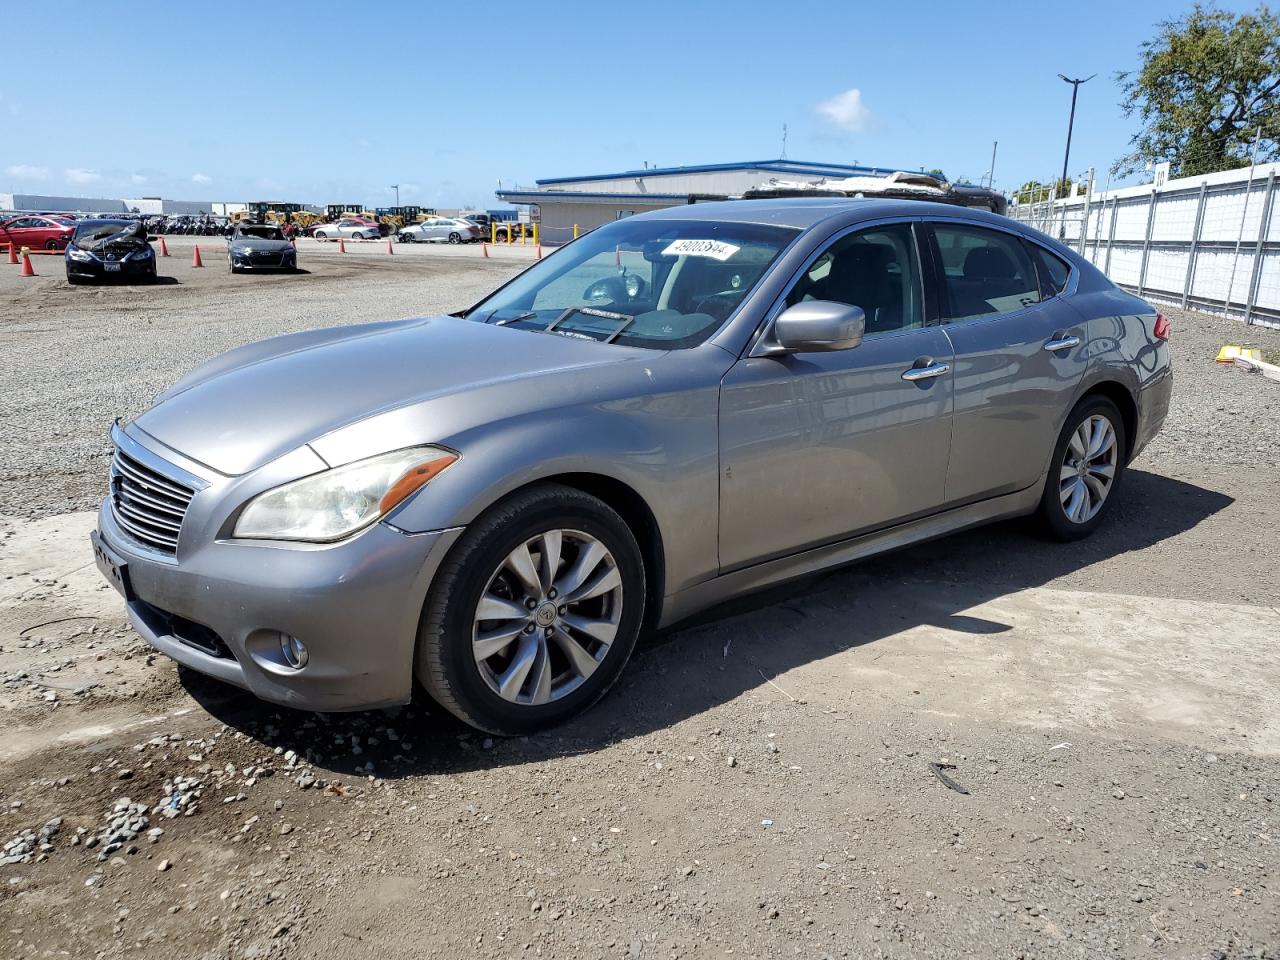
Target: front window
262	232
665	284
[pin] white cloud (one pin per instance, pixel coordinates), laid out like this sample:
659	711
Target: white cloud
80	175
200	178
846	111
24	171
138	178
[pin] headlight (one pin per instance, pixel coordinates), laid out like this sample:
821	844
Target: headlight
334	504
77	254
143	252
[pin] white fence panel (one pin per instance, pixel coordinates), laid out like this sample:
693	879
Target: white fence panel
1211	242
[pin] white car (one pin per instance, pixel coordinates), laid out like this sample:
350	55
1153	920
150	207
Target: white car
440	230
348	228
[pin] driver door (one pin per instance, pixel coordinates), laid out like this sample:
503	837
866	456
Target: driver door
819	447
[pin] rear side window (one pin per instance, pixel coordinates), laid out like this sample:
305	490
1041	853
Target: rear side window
986	273
1053	270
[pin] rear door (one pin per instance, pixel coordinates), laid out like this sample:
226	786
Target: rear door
1020	353
818	447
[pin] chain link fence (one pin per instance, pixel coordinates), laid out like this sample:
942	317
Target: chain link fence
1211	242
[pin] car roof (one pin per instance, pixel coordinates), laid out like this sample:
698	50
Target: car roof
804	212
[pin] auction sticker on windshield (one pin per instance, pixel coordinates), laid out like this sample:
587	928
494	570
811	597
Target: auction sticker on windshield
715	249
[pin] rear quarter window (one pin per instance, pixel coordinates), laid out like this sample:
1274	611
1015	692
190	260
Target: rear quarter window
1052	269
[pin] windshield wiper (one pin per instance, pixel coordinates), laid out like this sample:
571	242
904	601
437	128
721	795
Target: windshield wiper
529	315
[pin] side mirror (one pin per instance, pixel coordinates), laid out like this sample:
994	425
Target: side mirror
818	326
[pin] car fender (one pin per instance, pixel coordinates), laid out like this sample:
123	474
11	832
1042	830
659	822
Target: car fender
661	447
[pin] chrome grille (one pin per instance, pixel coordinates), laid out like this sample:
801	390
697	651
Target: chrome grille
146	504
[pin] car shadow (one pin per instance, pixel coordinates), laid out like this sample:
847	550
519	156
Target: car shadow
735	647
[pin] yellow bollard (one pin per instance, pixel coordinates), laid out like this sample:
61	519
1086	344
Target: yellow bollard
511	233
575	231
535	235
524	239
493	232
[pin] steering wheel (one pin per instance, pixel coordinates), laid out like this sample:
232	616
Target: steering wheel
718	305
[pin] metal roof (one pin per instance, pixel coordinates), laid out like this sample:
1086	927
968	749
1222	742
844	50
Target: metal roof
777	166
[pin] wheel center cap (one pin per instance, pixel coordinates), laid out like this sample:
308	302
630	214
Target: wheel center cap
545	615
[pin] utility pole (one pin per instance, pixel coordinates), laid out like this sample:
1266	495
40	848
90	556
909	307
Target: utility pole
396	188
991	174
1075	89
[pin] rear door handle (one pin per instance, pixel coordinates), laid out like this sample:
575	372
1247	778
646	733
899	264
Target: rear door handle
1061	343
927	372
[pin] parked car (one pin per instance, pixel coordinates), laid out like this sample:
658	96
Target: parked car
260	246
347	228
36	232
481	220
109	249
678	408
440	230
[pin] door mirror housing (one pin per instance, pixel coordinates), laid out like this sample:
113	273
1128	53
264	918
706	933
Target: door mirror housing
816	326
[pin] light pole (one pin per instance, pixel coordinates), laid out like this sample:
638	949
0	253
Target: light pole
1075	88
396	188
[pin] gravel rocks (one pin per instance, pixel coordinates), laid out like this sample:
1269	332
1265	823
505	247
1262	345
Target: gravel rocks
181	798
124	822
26	845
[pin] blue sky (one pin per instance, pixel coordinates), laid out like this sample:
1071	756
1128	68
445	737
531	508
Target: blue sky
331	102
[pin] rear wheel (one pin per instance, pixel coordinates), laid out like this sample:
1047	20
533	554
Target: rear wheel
321	235
455	238
534	613
51	245
1087	463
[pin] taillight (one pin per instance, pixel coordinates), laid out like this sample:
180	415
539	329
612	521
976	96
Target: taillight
1163	327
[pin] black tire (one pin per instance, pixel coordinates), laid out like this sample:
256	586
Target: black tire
455	238
445	665
73	279
51	245
1051	514
321	236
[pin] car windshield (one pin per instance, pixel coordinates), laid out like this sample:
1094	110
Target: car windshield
262	233
665	284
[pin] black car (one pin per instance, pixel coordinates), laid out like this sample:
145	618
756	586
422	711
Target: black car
109	249
260	246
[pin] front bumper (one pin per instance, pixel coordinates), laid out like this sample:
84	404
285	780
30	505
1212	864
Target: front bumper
97	270
265	261
221	607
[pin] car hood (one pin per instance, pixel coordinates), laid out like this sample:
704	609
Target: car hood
256	243
247	407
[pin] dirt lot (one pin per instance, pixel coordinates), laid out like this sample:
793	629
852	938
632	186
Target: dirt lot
761	784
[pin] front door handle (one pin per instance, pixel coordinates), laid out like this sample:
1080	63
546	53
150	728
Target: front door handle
1061	343
927	372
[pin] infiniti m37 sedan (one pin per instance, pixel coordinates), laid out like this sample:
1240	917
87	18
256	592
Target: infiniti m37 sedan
677	408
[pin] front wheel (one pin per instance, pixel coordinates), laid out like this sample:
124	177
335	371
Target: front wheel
534	613
322	236
1087	463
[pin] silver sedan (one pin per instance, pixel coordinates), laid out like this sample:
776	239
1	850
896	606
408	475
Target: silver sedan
440	230
347	228
677	409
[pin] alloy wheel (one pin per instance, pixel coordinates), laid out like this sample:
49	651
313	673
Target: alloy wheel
548	617
1088	468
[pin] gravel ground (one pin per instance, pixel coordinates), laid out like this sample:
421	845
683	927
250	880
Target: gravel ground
776	779
78	357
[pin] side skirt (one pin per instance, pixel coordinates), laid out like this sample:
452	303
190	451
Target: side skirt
710	592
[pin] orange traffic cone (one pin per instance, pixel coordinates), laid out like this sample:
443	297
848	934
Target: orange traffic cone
13	254
485	247
342	245
27	269
537	253
164	248
195	260
389	250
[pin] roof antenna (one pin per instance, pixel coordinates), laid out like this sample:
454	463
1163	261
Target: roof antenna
784	142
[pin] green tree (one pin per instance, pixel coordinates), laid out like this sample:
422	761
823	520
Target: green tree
1033	191
1208	82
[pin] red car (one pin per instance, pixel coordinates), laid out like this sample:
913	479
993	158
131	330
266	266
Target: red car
36	232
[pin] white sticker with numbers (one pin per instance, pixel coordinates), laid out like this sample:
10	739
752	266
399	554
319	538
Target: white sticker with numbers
715	249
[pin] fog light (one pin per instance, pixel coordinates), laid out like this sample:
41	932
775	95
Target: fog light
294	651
